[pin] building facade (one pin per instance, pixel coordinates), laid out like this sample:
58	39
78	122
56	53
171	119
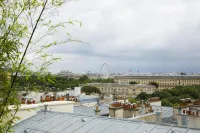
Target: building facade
164	82
123	88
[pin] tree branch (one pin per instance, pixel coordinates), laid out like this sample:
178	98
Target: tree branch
14	78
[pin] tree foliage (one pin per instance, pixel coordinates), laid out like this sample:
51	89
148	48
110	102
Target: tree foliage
166	102
132	100
161	94
143	96
59	83
181	92
191	91
83	79
171	97
132	82
24	25
154	84
90	89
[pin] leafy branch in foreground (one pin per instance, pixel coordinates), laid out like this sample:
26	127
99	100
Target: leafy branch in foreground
21	27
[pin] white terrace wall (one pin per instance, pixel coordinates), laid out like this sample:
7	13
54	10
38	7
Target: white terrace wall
27	111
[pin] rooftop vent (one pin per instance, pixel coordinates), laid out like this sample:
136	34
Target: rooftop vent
173	131
83	120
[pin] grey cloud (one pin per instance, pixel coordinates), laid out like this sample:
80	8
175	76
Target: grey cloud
155	35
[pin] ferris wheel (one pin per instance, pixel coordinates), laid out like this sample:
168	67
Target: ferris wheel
105	71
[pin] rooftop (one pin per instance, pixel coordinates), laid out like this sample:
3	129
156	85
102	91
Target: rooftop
53	122
90	110
167	111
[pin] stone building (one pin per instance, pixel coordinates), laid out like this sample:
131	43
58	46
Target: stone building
123	88
138	88
163	81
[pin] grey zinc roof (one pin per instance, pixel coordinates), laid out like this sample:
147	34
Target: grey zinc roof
54	122
90	110
88	99
166	111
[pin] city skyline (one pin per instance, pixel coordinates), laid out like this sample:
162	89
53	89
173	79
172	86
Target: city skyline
128	72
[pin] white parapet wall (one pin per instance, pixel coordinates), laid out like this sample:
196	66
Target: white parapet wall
157	103
57	106
150	117
27	111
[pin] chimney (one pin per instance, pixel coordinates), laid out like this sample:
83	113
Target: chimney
183	111
134	110
150	109
67	96
158	116
97	110
179	110
45	107
98	101
97	107
116	110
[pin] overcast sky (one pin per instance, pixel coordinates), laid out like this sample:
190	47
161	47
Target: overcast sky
144	35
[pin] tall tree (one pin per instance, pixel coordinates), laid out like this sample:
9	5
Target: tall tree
143	96
84	78
24	25
161	94
90	89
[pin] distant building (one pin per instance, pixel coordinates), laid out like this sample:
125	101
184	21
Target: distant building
123	88
69	74
163	81
94	75
138	88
